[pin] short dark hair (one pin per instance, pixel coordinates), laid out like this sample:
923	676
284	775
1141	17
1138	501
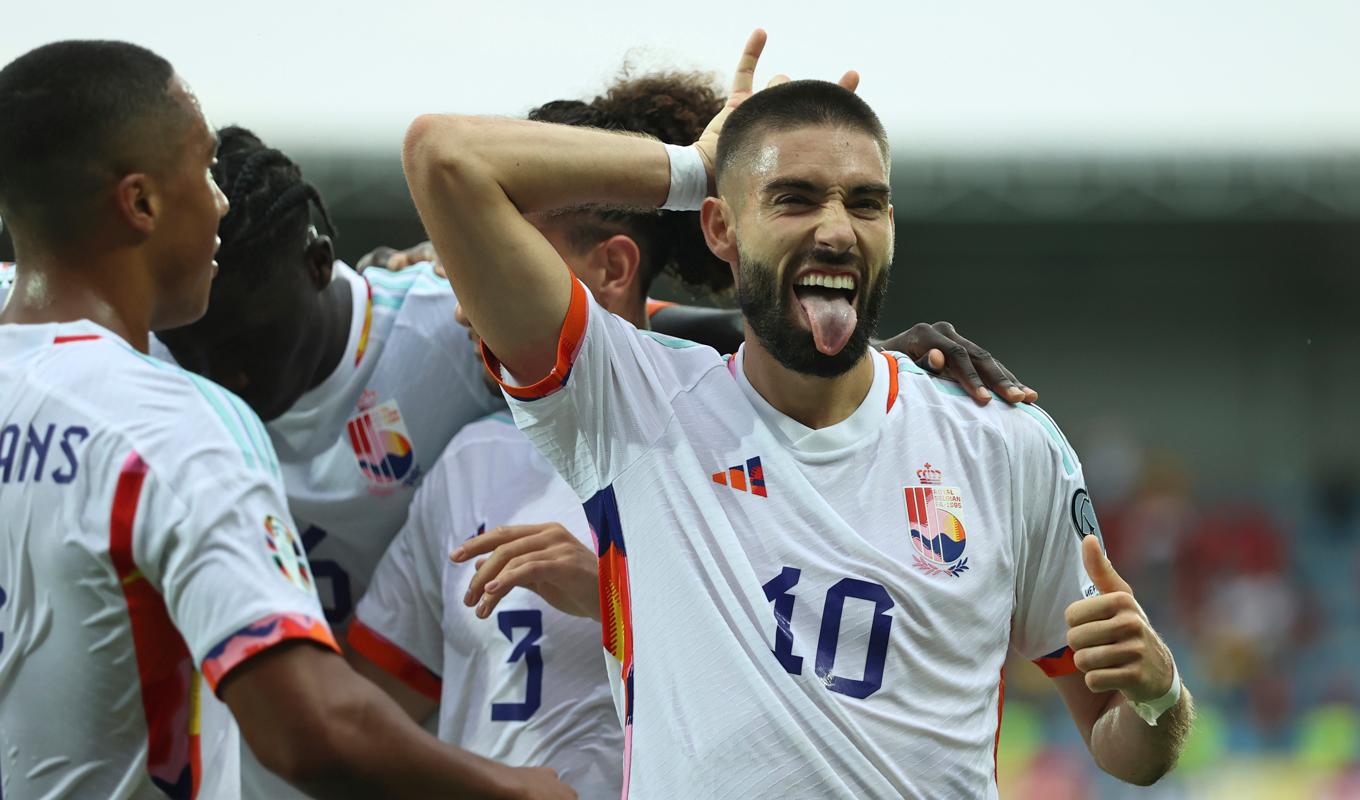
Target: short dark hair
796	104
76	116
270	202
673	107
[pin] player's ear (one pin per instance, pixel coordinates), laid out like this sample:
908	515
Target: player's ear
618	258
715	217
138	202
320	256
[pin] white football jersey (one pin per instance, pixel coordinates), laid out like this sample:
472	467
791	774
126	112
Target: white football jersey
809	613
145	550
527	686
353	449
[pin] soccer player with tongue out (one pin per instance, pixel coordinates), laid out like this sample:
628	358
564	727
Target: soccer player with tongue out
813	556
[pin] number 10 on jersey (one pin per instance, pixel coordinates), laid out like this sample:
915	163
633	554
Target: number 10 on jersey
777	591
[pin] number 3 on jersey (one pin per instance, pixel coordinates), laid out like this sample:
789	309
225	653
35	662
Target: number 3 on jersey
525	649
777	592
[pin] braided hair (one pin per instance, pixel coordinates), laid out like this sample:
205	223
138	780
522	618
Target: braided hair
270	202
673	107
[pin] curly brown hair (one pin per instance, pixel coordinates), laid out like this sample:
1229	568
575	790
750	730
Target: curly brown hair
673	107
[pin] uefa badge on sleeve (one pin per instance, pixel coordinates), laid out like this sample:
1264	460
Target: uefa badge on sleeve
934	517
285	550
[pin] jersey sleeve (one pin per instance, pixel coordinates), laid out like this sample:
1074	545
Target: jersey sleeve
608	396
206	527
398	624
1056	514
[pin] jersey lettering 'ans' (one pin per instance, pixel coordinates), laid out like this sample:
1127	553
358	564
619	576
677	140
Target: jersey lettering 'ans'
147	553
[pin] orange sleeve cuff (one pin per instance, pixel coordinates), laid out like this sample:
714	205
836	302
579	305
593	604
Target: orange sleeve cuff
393	660
258	637
568	345
1057	663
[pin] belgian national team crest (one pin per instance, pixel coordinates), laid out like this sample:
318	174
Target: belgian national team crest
935	518
383	448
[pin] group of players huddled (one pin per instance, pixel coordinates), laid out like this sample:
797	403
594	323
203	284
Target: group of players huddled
301	517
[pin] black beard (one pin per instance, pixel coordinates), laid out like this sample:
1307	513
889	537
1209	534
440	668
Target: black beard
762	301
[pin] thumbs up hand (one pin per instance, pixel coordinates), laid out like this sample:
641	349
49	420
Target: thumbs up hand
1111	639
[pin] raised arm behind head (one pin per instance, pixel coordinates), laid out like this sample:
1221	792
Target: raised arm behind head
473	179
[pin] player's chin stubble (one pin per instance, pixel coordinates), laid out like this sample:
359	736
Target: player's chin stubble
764	303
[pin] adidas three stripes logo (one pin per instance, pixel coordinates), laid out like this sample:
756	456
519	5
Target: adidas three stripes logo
748	477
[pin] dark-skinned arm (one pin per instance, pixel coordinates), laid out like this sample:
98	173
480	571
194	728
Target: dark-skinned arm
312	720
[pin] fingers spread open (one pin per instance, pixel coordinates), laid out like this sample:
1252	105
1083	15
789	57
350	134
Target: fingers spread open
494	538
509	577
492	566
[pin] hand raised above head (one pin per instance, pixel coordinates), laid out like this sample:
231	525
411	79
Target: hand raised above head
743	86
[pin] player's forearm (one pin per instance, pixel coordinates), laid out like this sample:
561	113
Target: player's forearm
310	719
370	748
1129	749
539	166
473	178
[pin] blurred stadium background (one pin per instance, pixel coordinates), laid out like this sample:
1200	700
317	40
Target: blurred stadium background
1178	279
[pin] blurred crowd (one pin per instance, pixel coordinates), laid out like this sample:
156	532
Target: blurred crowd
1258	594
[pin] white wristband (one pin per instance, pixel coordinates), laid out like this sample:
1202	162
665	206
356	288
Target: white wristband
689	179
1152	710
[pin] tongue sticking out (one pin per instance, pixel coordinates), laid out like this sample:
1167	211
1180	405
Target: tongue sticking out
831	317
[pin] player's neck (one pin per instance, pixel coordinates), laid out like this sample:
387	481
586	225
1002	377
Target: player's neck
107	292
337	320
634	310
807	399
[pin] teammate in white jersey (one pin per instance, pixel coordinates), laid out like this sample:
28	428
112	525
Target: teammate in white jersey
527	686
149	560
361	381
816	558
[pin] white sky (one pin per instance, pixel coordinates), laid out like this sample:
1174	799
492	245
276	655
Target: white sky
948	76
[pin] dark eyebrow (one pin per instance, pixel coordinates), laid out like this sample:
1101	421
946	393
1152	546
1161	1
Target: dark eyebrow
800	185
872	188
794	184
